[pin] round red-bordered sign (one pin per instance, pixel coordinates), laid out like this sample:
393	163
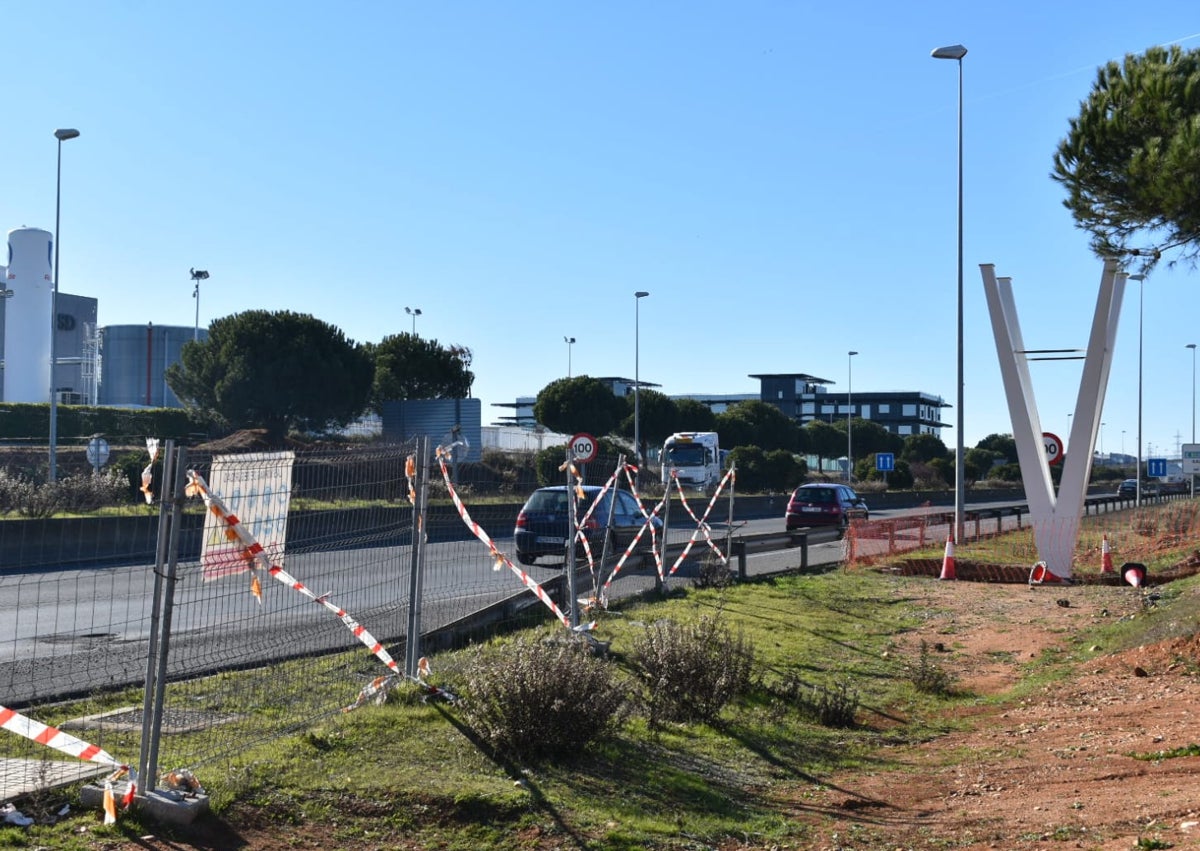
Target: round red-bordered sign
1054	448
583	447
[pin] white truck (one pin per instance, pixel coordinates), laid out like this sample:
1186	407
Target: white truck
696	458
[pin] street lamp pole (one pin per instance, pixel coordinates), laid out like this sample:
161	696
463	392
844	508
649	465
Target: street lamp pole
1141	292
62	136
1192	346
849	415
414	312
198	275
570	341
637	435
957	52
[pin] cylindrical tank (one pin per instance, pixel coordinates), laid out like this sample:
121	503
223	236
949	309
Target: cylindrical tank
135	357
27	316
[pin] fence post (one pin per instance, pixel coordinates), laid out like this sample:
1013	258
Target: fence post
148	779
412	644
738	548
160	559
729	522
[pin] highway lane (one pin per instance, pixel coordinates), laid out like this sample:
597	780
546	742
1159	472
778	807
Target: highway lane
73	631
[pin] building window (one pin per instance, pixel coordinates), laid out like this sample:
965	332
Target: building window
808	408
904	429
865	412
909	410
885	408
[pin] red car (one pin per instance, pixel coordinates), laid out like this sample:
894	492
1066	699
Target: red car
824	505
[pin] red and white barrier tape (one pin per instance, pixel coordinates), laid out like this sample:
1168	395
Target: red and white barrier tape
147	472
253	553
499	559
702	523
648	523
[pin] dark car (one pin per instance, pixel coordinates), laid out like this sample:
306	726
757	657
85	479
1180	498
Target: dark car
1127	488
824	505
543	524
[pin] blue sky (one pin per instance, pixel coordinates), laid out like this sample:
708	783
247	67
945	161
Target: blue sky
780	176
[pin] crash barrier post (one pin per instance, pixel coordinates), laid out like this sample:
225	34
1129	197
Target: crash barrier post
416	471
738	548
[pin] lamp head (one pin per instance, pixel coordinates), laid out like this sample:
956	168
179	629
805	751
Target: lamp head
851	354
199	275
953	51
65	134
641	294
568	340
1139	277
1191	346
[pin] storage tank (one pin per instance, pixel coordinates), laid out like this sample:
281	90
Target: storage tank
134	359
27	316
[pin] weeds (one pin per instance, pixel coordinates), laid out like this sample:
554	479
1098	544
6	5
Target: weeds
829	707
691	671
928	677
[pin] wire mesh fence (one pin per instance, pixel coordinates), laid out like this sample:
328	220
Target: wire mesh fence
183	631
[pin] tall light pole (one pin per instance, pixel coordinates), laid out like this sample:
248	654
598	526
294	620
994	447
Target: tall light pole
570	341
849	415
1102	440
1141	279
957	52
198	275
1192	346
62	136
637	434
414	312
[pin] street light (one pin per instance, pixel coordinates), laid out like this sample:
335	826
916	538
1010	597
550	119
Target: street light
414	312
570	341
957	52
1192	346
849	408
198	275
1102	439
637	435
1141	288
62	136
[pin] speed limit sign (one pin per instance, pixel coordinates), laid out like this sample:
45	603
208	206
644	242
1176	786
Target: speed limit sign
583	447
1054	448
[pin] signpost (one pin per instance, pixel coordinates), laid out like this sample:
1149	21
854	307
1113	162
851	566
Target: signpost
1156	468
885	462
97	452
1191	459
1054	448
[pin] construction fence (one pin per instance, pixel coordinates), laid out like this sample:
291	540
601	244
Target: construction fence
259	592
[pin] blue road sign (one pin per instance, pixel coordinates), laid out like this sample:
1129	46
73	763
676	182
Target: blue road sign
1156	467
885	462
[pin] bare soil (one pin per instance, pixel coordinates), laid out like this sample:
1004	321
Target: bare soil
1052	770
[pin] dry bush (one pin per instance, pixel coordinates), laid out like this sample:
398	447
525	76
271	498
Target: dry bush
691	671
540	700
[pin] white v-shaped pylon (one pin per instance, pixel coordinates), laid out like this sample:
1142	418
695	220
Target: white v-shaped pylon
1055	518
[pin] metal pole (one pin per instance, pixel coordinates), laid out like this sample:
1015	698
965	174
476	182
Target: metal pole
53	475
572	532
150	778
160	561
849	416
637	436
1141	279
960	485
412	644
1192	346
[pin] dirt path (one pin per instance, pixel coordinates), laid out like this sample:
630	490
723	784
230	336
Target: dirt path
1055	771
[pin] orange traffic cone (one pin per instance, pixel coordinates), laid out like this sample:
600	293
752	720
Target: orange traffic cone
1041	575
1106	565
948	560
1134	573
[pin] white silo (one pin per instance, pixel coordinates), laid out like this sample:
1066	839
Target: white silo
27	316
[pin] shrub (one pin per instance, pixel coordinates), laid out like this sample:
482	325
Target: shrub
714	573
830	707
928	676
540	700
90	492
692	671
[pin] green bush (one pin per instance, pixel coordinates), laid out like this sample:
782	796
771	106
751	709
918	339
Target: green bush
540	700
76	494
928	677
691	671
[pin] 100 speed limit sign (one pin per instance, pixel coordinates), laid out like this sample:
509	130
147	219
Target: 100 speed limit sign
583	447
1054	448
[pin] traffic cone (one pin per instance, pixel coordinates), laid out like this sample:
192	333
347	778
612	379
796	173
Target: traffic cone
1041	575
1134	573
1106	565
948	560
